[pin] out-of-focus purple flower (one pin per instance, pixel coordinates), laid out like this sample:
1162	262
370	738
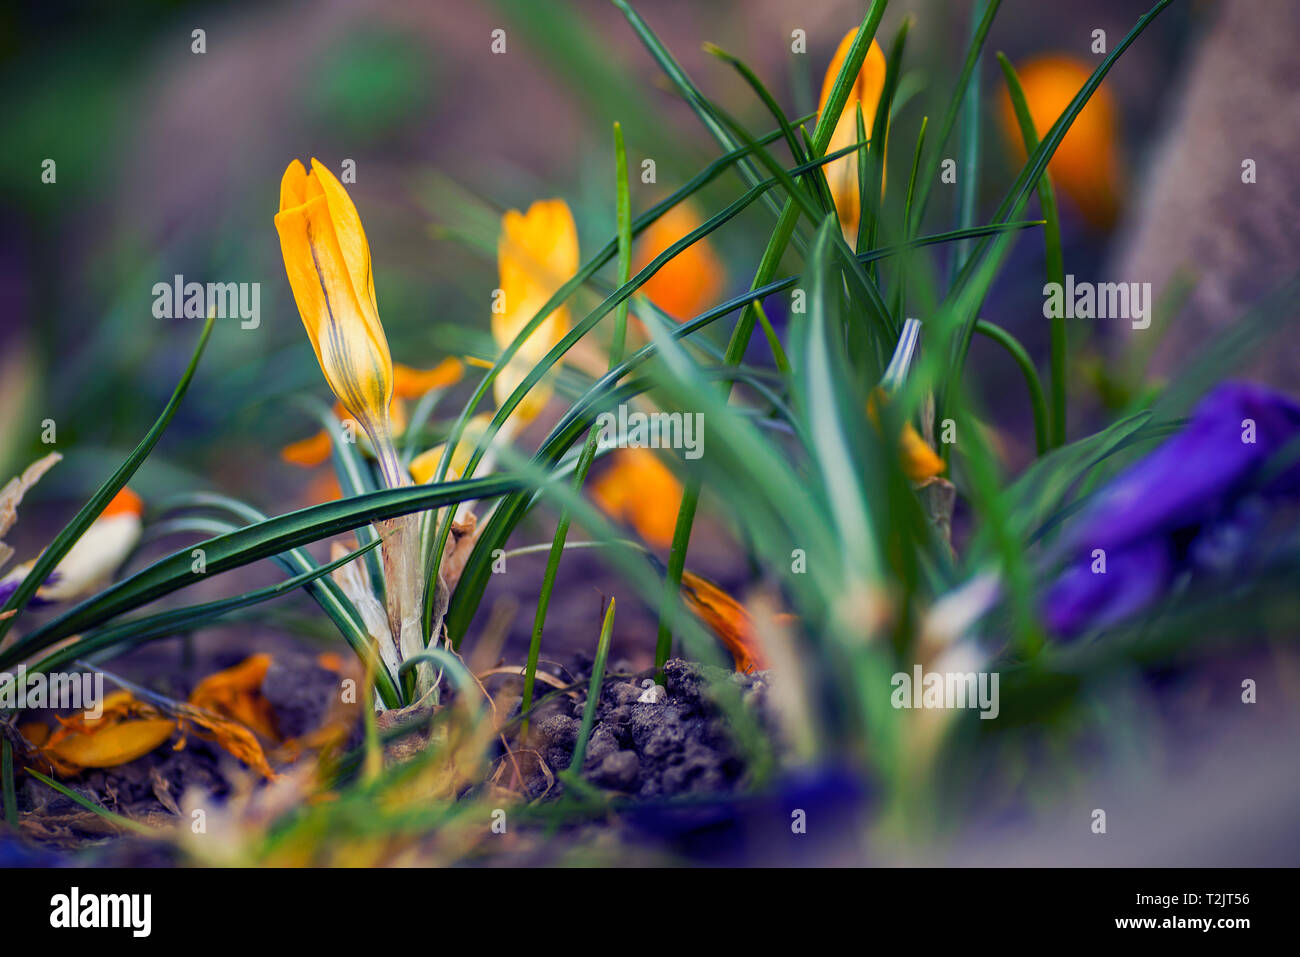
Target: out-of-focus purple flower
1192	504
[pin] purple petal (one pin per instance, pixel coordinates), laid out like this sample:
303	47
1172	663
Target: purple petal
1190	478
1082	599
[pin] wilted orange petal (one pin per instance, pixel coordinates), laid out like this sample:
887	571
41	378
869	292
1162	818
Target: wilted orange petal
113	745
125	730
229	735
726	618
236	693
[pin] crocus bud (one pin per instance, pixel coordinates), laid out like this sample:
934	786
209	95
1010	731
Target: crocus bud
842	174
328	261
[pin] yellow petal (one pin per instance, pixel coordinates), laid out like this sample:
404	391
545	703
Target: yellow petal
425	465
1086	165
537	252
692	280
842	174
918	460
328	264
114	745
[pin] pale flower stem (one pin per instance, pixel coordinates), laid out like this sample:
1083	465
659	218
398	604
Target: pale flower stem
402	565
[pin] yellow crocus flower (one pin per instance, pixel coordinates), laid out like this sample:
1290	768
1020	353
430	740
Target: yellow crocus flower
1086	165
842	174
537	252
328	261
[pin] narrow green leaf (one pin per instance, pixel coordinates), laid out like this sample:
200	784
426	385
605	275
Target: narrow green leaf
1054	254
63	542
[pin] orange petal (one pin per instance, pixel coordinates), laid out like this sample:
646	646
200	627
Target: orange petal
411	383
692	280
726	618
640	489
328	264
125	730
113	745
842	174
309	453
1086	166
229	735
236	693
918	460
125	502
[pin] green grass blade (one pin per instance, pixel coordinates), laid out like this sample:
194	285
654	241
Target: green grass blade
63	542
247	545
588	454
10	795
593	691
116	819
950	116
969	163
1026	364
1054	256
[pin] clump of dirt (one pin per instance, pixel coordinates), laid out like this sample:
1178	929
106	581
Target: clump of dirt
652	742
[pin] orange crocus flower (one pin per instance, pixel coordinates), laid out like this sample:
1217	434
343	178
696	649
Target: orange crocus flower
1086	165
327	258
692	280
640	489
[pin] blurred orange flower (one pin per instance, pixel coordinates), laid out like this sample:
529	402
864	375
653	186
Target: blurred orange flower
537	252
640	489
692	280
1086	166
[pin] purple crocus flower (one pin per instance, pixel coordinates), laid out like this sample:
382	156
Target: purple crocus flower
1189	505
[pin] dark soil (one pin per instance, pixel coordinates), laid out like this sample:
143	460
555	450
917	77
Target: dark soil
682	745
